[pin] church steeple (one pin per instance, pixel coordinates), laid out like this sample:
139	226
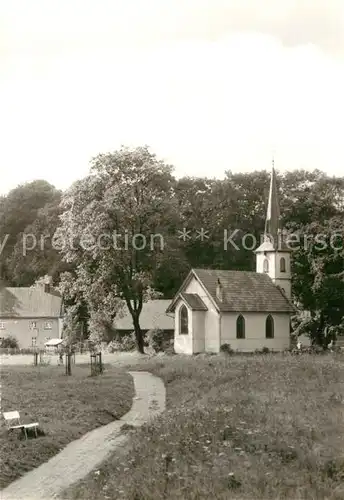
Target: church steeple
272	222
273	255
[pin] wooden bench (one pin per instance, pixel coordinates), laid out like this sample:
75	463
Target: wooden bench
12	419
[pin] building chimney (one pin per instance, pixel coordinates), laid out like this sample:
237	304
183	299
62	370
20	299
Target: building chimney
219	291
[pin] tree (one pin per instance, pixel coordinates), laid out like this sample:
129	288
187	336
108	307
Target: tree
120	220
33	254
318	279
308	197
29	211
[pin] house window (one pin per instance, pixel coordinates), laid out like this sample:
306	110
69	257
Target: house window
34	340
269	327
47	325
266	266
2	325
33	325
282	265
183	320
240	327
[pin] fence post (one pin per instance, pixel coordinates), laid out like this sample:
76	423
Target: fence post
35	358
92	364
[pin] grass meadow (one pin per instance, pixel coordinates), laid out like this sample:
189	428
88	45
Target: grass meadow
66	407
258	427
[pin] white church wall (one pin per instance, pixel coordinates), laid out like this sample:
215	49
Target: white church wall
198	322
282	279
261	257
255	331
183	343
278	273
211	318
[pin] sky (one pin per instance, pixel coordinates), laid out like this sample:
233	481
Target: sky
208	85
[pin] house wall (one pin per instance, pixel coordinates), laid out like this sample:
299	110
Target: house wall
255	331
20	329
60	327
305	340
211	319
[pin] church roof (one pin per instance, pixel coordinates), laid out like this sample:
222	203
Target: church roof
194	301
244	291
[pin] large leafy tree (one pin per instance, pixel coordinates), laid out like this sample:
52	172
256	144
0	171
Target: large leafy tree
318	279
130	191
313	209
34	254
29	209
121	221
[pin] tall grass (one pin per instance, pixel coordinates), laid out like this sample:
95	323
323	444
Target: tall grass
265	427
65	407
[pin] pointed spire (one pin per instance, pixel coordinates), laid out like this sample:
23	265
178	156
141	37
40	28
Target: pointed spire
273	212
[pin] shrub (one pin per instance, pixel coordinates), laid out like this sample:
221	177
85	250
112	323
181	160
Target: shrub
226	348
170	350
9	343
157	340
114	345
264	350
129	342
124	344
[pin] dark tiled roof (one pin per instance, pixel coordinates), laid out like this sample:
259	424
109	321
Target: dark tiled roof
244	291
29	302
194	301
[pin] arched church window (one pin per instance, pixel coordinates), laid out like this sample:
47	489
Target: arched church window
282	265
266	266
269	327
240	327
183	320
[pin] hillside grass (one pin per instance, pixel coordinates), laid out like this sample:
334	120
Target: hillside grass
259	427
66	407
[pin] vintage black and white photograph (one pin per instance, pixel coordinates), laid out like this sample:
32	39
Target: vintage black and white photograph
172	250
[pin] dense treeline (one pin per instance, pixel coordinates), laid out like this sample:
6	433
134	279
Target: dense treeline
131	192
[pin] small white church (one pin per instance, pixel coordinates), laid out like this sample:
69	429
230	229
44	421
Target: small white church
247	310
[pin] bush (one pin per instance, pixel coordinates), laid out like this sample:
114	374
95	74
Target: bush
264	350
226	348
129	342
157	340
124	344
114	346
170	350
9	343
